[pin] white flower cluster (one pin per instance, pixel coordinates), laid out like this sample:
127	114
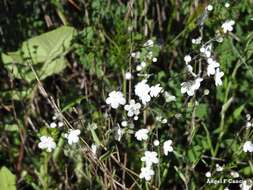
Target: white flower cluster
150	158
47	142
148	55
212	66
248	146
145	93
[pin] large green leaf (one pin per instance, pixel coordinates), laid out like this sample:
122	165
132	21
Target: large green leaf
46	53
7	179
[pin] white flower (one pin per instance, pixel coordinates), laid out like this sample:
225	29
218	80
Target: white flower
197	40
217	77
228	26
190	86
167	147
143	64
248	124
147	173
132	108
148	43
227	5
209	7
136	118
139	68
60	124
234	174
155	90
189	68
115	99
142	90
156	142
206	50
246	184
136	54
248	117
164	121
47	143
128	76
124	123
212	65
73	136
154	60
168	97
187	59
208	174
150	158
219	168
248	146
142	134
53	125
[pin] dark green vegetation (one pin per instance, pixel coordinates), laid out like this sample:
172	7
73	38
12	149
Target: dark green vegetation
72	69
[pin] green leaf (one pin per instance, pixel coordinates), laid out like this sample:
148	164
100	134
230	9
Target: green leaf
45	53
7	179
201	111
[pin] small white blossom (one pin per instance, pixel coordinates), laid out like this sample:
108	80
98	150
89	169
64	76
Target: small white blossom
168	97
128	76
155	90
208	174
212	65
141	134
167	147
246	184
142	90
139	68
73	136
156	142
206	92
248	146
206	50
53	125
191	86
228	26
143	64
148	43
209	7
248	117
234	174
154	59
132	108
150	158
248	124
217	77
164	121
124	123
197	40
136	118
219	168
227	5
115	99
146	173
136	54
47	143
187	59
60	124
